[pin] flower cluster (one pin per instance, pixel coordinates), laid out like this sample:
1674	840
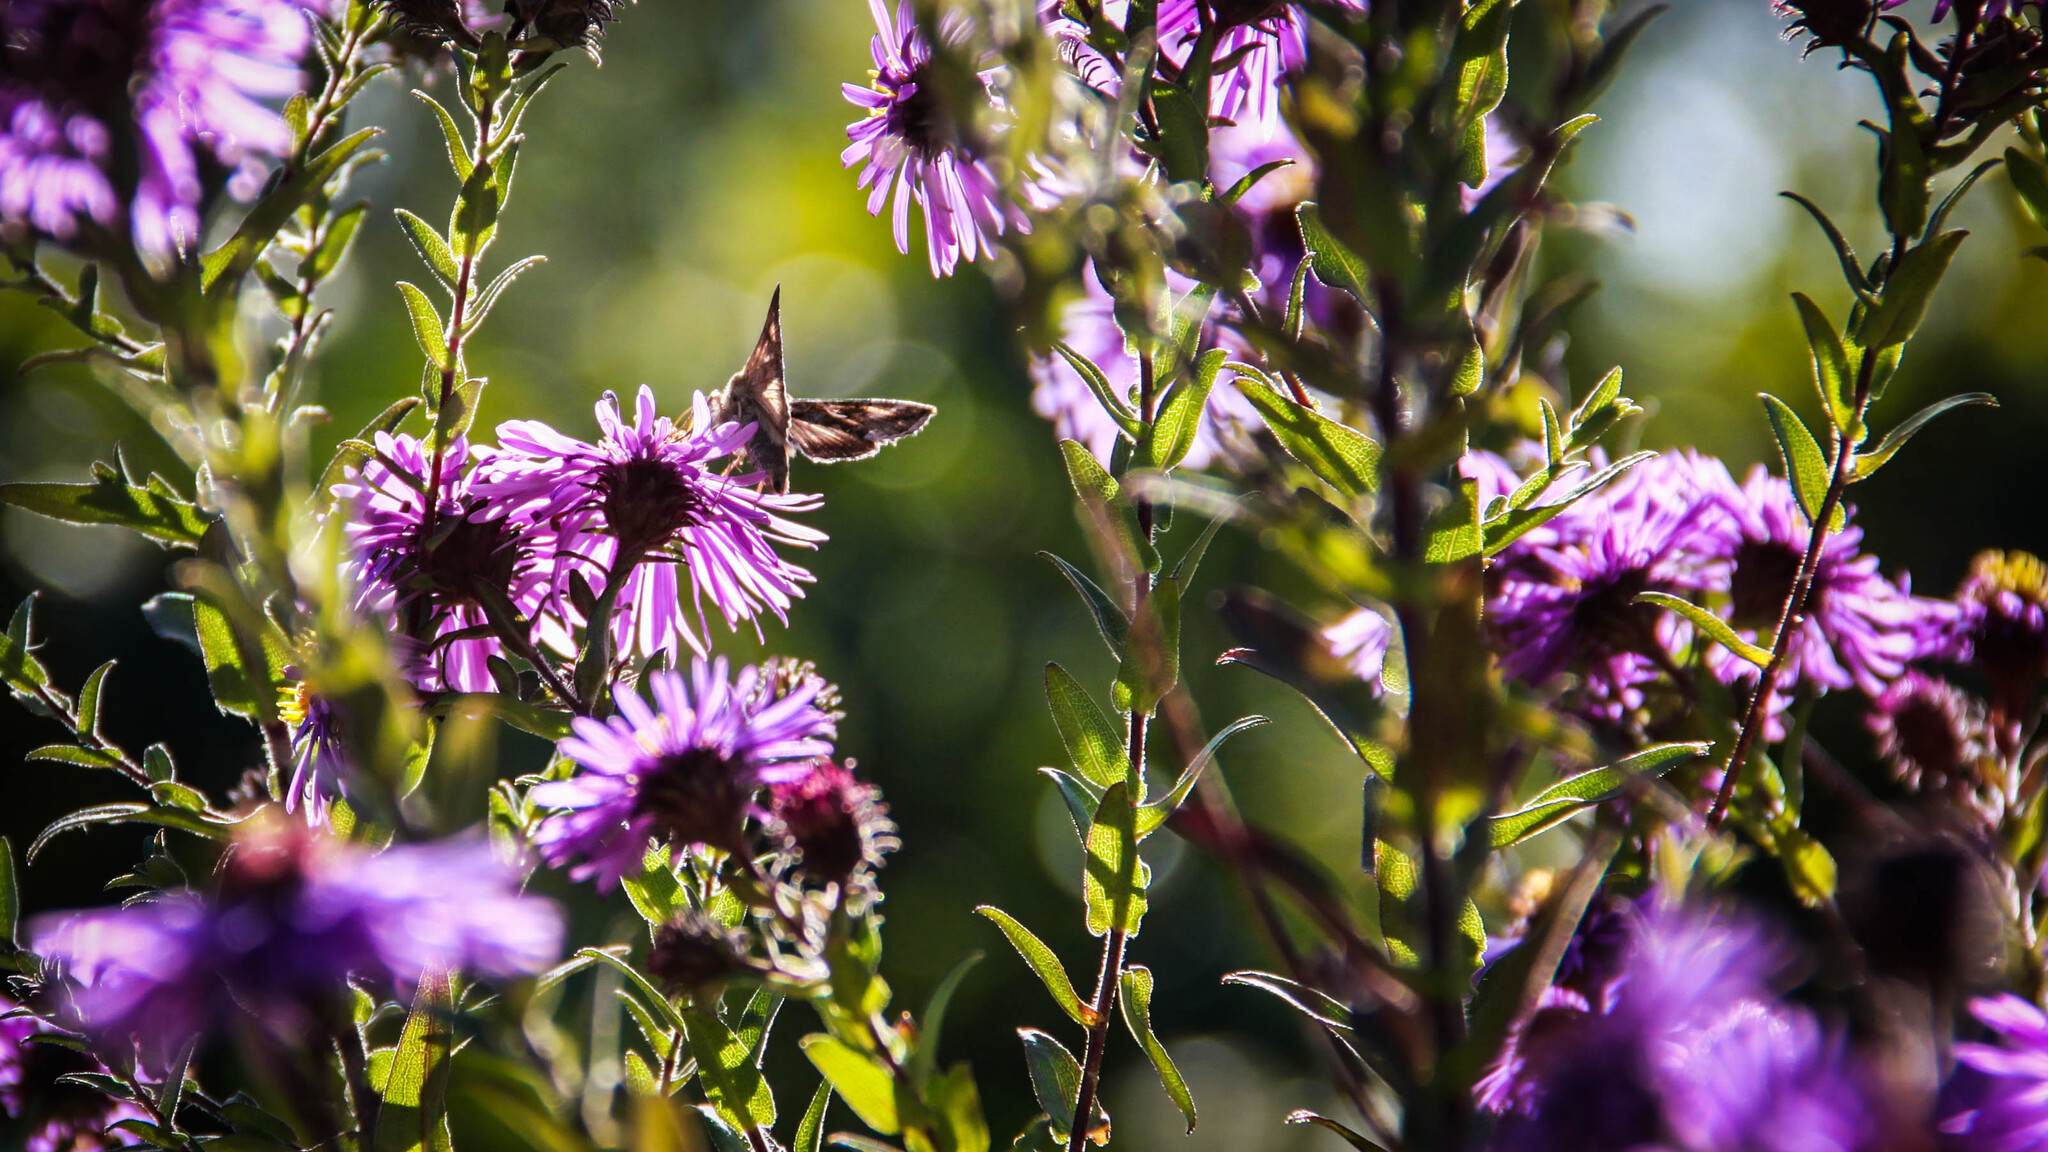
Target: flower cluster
113	111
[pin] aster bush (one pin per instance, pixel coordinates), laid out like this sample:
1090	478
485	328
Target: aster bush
1276	270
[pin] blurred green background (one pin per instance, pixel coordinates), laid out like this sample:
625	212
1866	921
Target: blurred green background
675	186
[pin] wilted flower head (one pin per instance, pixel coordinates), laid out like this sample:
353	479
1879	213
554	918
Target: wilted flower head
645	498
1565	598
1997	1100
1058	393
837	826
1692	1051
295	914
684	770
1859	629
1930	732
39	1112
111	109
440	577
695	953
909	149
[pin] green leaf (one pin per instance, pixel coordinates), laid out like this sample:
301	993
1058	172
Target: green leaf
73	755
152	509
1183	139
1955	197
1852	270
414	1116
10	893
1831	374
1080	797
1805	467
480	306
1136	985
1866	464
1044	963
1250	180
426	325
335	243
1453	532
655	999
1110	620
2029	178
458	151
238	688
1055	1077
1317	1006
1520	519
1341	456
88	707
1304	1116
654	893
1181	416
1151	664
1335	265
1152	815
1094	743
353	452
433	251
1715	628
924	1059
1113	882
213	828
1097	383
474	222
810	1131
1906	293
860	1079
1561	800
224	267
725	1067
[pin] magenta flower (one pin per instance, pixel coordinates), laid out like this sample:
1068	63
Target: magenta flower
684	769
837	826
319	759
1359	641
909	149
1683	1047
1563	599
1997	1101
1859	629
646	498
2000	625
440	578
1930	732
296	914
38	1111
174	84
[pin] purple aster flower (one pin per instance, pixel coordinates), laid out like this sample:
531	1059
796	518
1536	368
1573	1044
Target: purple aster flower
110	108
1359	641
319	759
684	770
1088	326
909	149
2000	625
440	578
296	913
1997	1101
37	1112
1859	628
1690	1050
1563	599
645	498
1930	732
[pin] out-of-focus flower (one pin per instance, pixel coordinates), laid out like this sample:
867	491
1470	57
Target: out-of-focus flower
1859	628
1088	326
1997	1101
439	578
319	758
646	499
2001	626
39	1112
1360	641
694	953
1930	732
684	770
1985	12
169	85
1691	1050
296	914
909	149
1564	600
838	826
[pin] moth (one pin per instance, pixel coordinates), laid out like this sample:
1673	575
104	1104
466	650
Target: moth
823	431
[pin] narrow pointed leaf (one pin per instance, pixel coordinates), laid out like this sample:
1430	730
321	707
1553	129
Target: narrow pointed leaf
1136	986
426	325
1181	416
1152	815
864	1084
725	1067
1341	456
1110	620
1831	373
1113	881
1095	744
1867	463
1805	467
433	251
1563	799
1043	962
1714	628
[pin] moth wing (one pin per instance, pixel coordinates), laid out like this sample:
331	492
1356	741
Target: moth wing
759	394
829	431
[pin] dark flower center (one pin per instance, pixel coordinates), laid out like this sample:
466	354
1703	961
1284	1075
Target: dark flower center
1606	617
821	813
645	502
695	796
85	51
693	952
1764	573
1927	739
919	118
470	556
